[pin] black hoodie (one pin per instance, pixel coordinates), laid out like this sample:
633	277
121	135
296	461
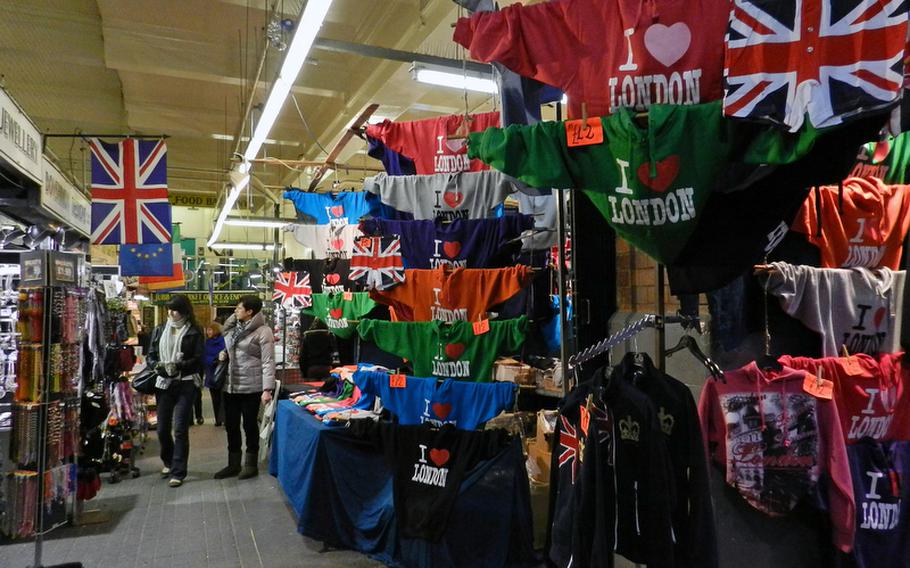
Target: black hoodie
693	516
611	478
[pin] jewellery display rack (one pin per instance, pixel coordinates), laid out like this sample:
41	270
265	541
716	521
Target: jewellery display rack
287	353
39	496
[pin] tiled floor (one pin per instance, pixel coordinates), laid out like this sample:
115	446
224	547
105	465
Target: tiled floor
205	523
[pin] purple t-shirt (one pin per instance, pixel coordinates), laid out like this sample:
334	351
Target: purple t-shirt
881	487
468	243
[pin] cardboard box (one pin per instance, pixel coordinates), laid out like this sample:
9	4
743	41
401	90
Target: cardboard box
512	371
539	461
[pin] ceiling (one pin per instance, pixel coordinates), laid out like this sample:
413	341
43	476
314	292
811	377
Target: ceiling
184	68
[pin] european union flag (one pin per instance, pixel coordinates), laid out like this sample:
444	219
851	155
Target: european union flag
147	260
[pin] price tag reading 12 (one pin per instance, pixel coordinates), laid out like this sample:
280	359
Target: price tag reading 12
587	133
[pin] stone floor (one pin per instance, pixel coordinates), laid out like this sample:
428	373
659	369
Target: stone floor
205	523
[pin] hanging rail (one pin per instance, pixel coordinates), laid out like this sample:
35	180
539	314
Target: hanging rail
626	333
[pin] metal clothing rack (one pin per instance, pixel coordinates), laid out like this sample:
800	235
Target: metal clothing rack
626	333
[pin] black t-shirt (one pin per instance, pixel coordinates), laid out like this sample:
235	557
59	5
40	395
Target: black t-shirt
429	465
327	276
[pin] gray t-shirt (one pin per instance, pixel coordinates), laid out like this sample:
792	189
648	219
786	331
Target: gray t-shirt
463	195
854	307
326	240
543	209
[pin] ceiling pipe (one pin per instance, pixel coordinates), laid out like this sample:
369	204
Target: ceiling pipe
340	46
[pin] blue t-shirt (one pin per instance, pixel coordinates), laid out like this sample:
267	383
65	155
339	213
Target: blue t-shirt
346	207
881	487
468	243
462	404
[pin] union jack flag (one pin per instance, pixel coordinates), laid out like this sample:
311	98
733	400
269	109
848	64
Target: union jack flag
292	290
377	261
129	192
568	444
829	58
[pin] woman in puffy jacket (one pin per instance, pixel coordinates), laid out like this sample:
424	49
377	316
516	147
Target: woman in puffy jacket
175	351
214	345
250	381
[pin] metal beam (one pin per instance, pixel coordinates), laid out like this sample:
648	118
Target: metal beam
340	46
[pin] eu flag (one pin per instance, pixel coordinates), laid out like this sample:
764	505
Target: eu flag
146	260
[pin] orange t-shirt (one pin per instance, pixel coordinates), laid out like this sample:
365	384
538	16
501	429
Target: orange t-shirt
452	294
866	230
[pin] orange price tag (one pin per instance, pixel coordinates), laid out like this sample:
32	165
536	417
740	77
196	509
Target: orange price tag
398	381
852	366
348	296
585	420
819	388
481	327
586	133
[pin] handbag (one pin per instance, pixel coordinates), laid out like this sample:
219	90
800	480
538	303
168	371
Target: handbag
145	381
219	377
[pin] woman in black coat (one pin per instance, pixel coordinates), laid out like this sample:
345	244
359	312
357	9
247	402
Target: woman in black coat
175	352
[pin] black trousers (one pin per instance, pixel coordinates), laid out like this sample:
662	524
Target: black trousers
217	405
197	404
175	412
243	407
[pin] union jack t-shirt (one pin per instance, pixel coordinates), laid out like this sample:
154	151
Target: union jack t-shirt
376	262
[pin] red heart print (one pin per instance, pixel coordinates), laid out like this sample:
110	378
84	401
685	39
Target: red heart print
451	248
332	279
879	317
442	410
336	244
337	210
439	457
454	350
666	173
336	313
453	198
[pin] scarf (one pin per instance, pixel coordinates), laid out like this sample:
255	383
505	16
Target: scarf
169	346
238	330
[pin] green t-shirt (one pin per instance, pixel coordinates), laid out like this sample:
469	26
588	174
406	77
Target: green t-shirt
447	350
892	168
650	182
336	312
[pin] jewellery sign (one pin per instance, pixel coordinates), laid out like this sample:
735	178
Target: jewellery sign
20	141
64	201
219	298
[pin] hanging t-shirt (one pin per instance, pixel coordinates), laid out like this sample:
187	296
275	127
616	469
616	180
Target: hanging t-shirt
394	163
543	209
427	141
376	262
608	54
861	223
346	207
336	310
326	240
426	400
461	195
429	466
452	294
775	442
881	484
778	68
328	276
856	308
447	350
465	243
651	183
886	159
872	399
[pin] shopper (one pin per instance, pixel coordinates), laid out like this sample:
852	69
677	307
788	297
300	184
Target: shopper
214	345
251	380
175	351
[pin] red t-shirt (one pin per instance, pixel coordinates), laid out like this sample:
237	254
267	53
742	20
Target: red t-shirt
674	52
864	226
427	141
871	397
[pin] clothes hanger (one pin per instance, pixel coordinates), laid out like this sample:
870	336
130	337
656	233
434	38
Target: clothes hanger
688	342
766	361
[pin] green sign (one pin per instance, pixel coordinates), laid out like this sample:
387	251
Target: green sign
220	298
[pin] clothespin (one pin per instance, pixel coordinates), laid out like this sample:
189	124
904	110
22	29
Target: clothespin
819	372
584	113
844	352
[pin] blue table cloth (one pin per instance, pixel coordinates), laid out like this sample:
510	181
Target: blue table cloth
340	489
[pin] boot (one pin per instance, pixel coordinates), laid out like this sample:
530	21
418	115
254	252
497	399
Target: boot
233	466
250	466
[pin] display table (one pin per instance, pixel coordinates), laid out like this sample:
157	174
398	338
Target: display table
340	488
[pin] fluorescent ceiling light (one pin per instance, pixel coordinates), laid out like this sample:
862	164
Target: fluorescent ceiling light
263	222
239	180
307	27
242	246
453	78
255	276
140	297
268	141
